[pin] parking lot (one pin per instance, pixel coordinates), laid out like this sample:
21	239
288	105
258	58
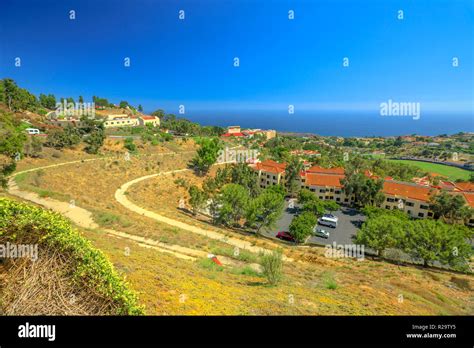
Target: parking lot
349	222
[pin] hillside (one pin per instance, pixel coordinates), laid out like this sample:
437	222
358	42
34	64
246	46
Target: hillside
61	274
119	198
171	284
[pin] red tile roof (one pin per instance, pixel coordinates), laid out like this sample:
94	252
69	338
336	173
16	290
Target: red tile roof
469	198
237	134
465	186
321	170
148	117
316	179
271	166
331	177
397	188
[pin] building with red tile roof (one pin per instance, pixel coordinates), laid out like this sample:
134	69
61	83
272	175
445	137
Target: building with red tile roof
270	173
321	170
465	186
469	197
327	184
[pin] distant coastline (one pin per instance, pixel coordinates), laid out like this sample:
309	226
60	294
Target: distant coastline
337	124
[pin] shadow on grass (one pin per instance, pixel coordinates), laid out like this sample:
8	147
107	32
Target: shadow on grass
252	283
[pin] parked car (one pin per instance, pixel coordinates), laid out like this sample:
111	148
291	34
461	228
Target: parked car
285	236
319	232
331	216
327	221
32	131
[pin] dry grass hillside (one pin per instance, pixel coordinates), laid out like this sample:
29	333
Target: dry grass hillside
169	285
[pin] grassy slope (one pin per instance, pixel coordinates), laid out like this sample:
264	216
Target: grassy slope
452	173
167	285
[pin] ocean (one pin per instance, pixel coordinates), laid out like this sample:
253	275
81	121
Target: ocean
357	124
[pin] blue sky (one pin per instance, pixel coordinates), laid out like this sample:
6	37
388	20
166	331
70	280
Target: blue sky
282	61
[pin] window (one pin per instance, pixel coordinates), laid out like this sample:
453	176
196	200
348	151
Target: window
421	214
430	214
425	207
410	204
346	200
322	190
409	212
387	207
337	192
313	190
331	190
274	177
320	197
390	199
338	199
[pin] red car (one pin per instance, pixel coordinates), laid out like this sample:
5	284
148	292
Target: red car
286	236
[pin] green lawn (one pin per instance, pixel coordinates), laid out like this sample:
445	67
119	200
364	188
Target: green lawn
452	173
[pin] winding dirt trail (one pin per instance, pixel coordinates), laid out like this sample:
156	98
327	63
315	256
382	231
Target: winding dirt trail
120	196
84	218
78	215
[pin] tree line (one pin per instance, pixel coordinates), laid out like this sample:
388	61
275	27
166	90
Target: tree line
428	240
234	199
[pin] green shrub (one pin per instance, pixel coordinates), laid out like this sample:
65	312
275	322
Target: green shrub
130	145
21	222
246	270
108	219
329	281
272	264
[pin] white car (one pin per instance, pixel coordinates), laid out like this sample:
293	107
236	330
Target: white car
327	221
319	232
331	216
32	131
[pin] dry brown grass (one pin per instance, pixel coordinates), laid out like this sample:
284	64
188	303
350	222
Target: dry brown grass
45	287
363	288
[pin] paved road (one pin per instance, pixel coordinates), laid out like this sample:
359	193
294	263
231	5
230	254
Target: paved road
349	222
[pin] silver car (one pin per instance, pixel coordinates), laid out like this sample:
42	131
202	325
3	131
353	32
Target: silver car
319	232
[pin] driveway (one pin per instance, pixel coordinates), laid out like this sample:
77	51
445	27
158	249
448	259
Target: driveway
349	222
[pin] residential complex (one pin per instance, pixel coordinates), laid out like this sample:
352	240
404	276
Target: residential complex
326	183
235	131
110	121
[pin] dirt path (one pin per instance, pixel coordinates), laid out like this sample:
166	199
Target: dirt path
84	218
80	216
120	196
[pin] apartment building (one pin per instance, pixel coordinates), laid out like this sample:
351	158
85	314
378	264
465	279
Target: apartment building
410	197
270	173
236	131
120	120
146	120
326	183
124	120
